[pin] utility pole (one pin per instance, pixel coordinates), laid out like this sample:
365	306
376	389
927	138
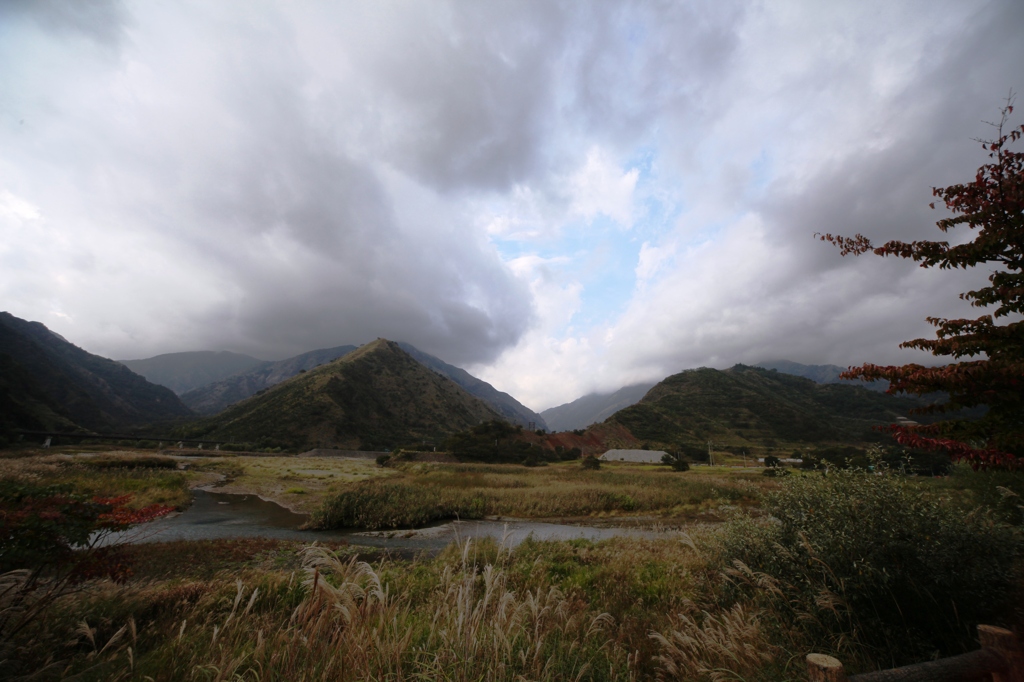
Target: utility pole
711	455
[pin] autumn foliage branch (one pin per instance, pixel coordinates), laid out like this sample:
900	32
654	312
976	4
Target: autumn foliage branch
992	205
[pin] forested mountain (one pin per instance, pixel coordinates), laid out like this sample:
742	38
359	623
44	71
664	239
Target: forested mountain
593	408
216	396
48	383
182	372
510	408
375	397
747	406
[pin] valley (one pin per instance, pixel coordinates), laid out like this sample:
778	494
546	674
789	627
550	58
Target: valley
383	483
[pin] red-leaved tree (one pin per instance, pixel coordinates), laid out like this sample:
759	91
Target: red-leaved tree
53	538
989	357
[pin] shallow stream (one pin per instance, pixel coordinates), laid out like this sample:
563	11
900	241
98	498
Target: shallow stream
215	515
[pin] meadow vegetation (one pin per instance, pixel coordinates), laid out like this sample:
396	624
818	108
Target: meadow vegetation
148	478
832	563
298	483
424	492
836	566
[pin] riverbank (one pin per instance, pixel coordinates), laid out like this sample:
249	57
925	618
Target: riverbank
811	570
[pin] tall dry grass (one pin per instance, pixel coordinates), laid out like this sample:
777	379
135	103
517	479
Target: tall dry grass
336	619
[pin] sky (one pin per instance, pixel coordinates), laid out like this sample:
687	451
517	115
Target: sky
561	197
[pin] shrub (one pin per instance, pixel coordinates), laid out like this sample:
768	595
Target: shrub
52	539
571	454
130	462
868	558
379	504
677	461
591	462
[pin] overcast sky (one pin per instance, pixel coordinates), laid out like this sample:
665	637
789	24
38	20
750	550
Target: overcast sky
560	197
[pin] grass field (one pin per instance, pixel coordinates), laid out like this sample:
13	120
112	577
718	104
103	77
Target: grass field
148	478
298	483
743	599
424	492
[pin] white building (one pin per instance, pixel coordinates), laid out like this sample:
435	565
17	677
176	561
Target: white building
635	456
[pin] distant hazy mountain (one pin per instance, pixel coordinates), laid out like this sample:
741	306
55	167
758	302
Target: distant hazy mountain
822	374
593	408
510	408
745	406
218	395
48	383
375	397
182	372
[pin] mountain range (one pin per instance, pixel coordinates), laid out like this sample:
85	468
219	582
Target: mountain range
49	384
374	397
229	387
593	408
182	372
218	395
386	394
747	406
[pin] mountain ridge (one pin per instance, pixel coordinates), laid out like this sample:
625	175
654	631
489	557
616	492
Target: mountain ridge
505	404
218	395
594	408
51	383
377	396
182	372
746	406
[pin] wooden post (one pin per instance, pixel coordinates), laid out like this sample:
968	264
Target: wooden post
1006	644
822	668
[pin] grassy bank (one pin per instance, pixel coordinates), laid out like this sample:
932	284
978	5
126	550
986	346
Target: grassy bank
420	493
149	478
706	608
877	570
298	483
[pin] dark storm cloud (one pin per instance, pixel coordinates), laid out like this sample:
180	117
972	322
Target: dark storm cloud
275	177
220	170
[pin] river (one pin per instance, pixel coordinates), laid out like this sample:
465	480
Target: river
215	515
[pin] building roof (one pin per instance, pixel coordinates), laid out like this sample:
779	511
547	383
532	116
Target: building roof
644	456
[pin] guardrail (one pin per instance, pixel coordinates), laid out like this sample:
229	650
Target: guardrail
1000	659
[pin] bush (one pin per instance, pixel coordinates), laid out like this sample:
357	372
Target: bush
869	559
130	462
379	504
591	462
677	461
771	461
52	539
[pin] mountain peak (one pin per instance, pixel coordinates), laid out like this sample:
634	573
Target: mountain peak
377	396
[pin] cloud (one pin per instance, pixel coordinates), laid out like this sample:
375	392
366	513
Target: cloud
566	197
197	200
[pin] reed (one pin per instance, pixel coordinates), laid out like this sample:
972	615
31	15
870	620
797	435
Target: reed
422	494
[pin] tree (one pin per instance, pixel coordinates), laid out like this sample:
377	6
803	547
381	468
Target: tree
993	377
676	460
52	538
